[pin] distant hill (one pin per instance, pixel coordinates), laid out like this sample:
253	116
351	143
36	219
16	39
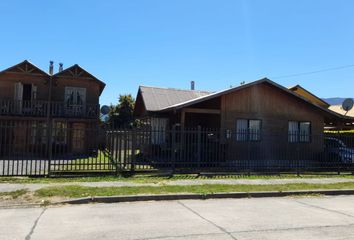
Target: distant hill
334	101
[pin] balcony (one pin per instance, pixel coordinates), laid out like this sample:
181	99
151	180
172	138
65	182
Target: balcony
38	108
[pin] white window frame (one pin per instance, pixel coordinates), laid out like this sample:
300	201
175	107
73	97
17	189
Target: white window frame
296	135
75	108
244	132
75	91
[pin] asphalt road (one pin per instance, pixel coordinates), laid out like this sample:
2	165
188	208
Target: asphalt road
262	218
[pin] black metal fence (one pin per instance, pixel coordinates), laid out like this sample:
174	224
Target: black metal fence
196	150
36	149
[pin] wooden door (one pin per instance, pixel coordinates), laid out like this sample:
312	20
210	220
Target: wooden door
78	138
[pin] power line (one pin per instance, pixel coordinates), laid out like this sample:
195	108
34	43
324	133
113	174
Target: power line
314	72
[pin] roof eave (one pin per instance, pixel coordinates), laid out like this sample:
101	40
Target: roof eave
101	83
217	94
313	95
25	61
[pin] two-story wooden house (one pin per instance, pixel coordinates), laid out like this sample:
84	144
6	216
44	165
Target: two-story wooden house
39	108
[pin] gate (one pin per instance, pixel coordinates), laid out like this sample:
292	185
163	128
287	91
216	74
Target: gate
34	149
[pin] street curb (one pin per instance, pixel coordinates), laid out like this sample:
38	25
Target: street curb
169	197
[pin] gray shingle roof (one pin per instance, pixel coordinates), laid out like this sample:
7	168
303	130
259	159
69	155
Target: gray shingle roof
263	80
156	98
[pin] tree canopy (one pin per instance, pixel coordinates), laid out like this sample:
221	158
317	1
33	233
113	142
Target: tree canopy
121	115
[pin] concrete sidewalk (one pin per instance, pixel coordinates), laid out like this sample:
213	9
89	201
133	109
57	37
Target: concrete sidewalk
323	218
7	187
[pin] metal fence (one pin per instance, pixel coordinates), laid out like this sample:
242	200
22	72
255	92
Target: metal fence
35	149
197	150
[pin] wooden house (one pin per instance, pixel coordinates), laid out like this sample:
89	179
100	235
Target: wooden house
34	104
259	117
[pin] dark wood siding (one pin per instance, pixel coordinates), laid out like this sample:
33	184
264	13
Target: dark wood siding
274	107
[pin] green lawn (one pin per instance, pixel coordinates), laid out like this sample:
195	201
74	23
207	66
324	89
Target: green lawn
102	162
14	194
75	191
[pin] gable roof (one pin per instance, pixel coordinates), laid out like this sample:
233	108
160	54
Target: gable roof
76	71
25	67
157	98
310	96
234	89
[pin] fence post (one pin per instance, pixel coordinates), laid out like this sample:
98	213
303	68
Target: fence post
115	149
173	148
199	138
50	143
248	155
132	166
298	160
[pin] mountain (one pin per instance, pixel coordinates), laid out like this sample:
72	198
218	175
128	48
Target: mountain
334	101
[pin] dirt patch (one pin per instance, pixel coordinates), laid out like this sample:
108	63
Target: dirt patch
27	199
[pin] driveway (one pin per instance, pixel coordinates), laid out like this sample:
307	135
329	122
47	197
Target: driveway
262	218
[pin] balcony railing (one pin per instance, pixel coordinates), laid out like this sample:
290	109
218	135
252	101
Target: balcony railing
38	108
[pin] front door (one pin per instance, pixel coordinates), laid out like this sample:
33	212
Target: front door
78	138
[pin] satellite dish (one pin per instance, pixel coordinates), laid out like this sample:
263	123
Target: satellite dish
347	104
104	110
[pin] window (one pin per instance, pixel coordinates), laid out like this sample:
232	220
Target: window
241	129
158	128
299	131
254	128
248	130
75	96
305	129
75	100
39	133
60	130
25	92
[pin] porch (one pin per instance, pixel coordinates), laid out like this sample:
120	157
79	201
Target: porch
39	108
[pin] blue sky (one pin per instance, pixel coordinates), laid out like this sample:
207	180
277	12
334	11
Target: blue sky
168	43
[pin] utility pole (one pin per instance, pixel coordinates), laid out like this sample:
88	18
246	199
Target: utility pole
49	116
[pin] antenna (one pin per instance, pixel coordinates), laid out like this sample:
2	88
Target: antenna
105	110
347	105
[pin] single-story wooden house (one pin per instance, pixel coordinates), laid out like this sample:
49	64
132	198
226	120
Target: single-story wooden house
264	99
261	114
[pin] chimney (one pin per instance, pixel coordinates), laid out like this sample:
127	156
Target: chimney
192	85
51	67
60	67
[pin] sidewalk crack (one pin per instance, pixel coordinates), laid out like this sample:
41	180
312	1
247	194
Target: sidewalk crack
326	209
28	237
209	221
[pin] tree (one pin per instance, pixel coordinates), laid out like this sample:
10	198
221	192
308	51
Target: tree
121	115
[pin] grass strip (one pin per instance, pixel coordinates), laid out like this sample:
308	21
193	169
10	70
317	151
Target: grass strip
157	179
75	191
14	194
